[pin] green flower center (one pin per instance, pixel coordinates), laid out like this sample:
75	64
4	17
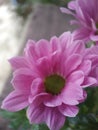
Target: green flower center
96	25
96	33
54	84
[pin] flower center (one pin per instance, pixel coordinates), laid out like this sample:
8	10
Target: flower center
96	32
54	84
96	25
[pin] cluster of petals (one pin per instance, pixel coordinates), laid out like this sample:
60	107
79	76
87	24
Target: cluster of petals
63	56
92	54
85	12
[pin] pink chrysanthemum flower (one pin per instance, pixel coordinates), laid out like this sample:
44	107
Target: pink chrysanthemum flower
50	79
85	12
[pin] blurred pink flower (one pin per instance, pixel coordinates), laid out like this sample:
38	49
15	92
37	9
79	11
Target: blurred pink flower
85	12
50	79
92	54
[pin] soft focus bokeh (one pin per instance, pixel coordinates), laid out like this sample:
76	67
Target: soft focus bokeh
21	20
11	29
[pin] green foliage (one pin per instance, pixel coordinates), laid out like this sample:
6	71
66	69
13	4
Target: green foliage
17	120
40	127
83	122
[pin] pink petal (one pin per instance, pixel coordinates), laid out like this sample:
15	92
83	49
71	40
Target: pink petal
37	86
71	94
35	113
65	10
84	95
72	5
89	81
74	22
85	66
54	42
94	37
38	99
72	63
22	79
81	34
93	50
44	67
93	25
78	47
31	53
43	48
66	39
76	77
53	101
53	118
18	62
15	101
55	62
70	111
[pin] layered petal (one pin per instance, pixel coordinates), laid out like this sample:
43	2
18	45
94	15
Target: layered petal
72	63
55	119
23	79
35	113
71	94
53	101
70	111
18	62
15	101
89	81
76	77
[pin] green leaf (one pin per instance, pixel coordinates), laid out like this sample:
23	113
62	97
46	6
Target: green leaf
39	127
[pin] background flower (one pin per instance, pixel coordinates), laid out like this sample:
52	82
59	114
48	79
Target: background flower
50	79
86	17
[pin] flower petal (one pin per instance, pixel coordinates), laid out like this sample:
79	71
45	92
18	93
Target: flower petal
66	39
36	89
65	10
43	48
15	101
31	53
94	37
44	67
81	34
76	77
70	111
71	94
54	42
38	99
35	113
85	67
72	63
22	79
89	81
18	62
53	101
37	86
53	118
78	48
